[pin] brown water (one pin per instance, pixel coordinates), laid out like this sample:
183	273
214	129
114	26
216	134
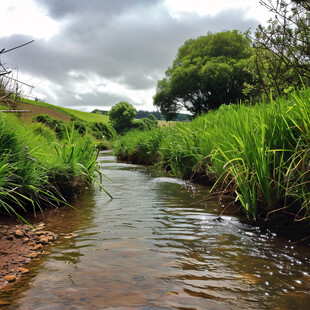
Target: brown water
158	245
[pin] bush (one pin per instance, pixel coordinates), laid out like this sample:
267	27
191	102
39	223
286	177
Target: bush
55	124
79	127
100	130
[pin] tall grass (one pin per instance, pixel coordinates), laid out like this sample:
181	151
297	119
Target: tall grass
139	146
259	153
37	170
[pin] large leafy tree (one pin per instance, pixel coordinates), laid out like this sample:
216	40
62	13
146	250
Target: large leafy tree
282	48
121	116
207	72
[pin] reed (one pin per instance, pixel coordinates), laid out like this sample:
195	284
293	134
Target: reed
260	153
37	170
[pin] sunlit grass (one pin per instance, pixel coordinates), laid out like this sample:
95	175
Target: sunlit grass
260	153
80	115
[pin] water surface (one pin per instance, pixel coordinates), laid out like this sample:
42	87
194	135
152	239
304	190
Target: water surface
158	245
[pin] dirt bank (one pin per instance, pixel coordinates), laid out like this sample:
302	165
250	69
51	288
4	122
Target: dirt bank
19	243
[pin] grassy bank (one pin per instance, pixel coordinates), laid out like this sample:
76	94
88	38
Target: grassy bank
259	153
69	113
38	170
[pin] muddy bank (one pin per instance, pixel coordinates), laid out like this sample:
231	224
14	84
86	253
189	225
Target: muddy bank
19	244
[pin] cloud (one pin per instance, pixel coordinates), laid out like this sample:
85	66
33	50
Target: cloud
124	45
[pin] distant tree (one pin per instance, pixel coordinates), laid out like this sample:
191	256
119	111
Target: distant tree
97	111
282	49
207	72
181	117
144	113
121	116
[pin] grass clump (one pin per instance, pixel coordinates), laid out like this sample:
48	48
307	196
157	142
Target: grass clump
38	170
139	146
258	153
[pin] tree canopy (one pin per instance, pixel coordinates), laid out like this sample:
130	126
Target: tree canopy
282	49
121	116
207	72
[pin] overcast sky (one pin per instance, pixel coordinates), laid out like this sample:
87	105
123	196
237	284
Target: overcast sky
92	54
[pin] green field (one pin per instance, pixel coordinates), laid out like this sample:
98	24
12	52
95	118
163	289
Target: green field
79	115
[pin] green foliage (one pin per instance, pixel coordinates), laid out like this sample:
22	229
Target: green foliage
282	49
100	129
79	127
259	153
139	146
55	124
74	114
207	72
121	116
37	170
143	114
145	123
97	111
103	145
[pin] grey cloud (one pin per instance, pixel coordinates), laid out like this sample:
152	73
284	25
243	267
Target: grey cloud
59	9
138	81
103	101
127	41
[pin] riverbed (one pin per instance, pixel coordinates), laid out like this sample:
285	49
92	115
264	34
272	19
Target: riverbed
159	245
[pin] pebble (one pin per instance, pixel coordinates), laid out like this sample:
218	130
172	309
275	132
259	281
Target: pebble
43	239
18	233
32	255
23	270
40	226
10	278
37	247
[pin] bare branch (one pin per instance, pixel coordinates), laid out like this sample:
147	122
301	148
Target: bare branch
14	48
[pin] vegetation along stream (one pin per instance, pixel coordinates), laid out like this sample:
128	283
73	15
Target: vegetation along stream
158	245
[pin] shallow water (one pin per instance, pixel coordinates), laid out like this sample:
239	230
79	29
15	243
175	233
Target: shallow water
158	245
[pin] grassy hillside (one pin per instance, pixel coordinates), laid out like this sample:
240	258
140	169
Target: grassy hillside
65	114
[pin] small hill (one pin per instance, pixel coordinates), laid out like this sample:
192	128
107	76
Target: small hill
64	114
36	110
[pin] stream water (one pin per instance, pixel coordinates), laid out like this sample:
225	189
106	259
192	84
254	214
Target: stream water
158	245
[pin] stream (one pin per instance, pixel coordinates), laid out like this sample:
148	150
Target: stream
159	245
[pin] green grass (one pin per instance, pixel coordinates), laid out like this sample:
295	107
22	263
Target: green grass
80	115
257	153
37	170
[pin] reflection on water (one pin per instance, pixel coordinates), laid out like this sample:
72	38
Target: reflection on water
158	245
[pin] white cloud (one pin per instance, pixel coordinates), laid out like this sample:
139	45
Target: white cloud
26	18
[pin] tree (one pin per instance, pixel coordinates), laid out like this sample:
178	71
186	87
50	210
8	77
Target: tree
282	49
144	113
207	72
121	116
